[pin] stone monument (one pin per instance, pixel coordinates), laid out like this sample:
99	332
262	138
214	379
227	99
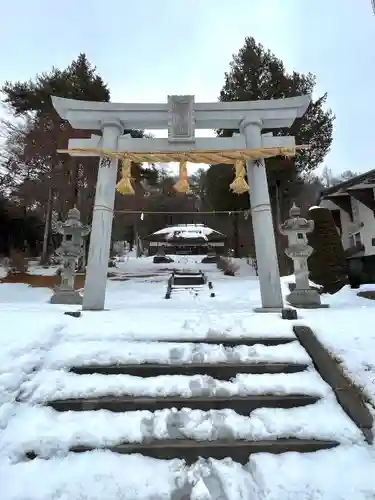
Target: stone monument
73	232
296	229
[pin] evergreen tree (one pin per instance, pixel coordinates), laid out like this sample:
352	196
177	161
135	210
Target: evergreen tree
18	229
327	263
77	81
58	181
218	194
45	131
60	177
255	74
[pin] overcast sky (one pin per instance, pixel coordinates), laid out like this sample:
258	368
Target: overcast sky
147	49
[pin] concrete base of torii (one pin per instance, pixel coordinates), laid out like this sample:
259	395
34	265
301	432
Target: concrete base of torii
268	309
67	297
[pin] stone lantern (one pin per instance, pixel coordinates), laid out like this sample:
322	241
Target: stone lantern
71	248
296	229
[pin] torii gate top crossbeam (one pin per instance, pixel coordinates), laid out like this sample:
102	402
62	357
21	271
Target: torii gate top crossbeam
274	113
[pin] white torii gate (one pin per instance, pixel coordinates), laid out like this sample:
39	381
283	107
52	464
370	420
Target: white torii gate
181	116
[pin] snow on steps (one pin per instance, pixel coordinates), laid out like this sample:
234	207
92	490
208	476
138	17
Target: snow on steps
185	416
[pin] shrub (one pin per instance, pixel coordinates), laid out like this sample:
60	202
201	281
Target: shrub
367	294
327	264
227	265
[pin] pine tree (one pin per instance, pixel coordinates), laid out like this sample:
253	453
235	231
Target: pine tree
45	132
78	81
39	167
256	74
218	194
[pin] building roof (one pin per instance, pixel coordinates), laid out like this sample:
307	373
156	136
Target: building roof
361	180
189	233
361	187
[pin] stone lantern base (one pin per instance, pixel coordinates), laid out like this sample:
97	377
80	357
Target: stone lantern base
210	258
162	259
306	299
69	297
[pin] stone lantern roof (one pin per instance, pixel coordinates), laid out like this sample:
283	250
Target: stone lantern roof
295	222
73	218
73	222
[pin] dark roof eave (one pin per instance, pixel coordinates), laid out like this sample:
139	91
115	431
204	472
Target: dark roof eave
347	184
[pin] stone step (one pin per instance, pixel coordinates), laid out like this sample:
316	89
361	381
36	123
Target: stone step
229	342
191	450
177	286
241	405
183	289
187	272
188	280
220	371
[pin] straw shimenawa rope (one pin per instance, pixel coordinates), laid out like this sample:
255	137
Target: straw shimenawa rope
124	186
236	157
239	185
182	185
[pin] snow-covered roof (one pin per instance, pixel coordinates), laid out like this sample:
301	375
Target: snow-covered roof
188	231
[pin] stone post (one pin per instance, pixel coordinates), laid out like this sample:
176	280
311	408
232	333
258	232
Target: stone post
100	241
296	229
70	250
265	243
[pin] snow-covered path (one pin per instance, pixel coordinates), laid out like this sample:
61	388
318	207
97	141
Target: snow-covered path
39	345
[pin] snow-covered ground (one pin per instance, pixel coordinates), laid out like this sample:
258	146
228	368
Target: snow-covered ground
347	330
38	343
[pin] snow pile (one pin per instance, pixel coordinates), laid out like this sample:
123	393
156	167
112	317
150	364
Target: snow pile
68	353
3	272
50	384
38	270
344	473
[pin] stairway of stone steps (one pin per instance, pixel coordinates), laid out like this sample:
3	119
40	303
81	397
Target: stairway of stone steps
192	283
190	290
188	449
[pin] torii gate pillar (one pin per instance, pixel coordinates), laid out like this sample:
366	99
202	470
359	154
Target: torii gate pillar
101	229
264	236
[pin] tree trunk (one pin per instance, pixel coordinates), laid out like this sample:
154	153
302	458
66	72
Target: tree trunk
136	238
47	227
236	235
73	164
